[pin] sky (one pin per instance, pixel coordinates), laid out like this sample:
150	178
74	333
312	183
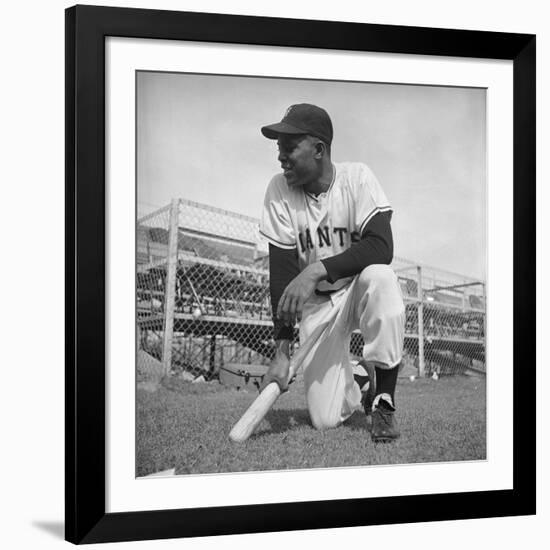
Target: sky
198	138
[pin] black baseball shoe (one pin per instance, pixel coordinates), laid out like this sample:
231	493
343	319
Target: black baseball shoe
365	377
384	427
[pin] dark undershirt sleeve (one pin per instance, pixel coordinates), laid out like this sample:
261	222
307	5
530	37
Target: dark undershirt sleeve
283	267
375	247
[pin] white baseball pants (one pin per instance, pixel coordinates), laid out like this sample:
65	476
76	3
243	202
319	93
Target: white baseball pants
371	302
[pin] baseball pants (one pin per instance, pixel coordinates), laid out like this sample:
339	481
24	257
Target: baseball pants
371	302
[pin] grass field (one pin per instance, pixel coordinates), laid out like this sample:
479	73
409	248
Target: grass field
185	426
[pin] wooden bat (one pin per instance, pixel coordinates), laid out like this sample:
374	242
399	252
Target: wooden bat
248	422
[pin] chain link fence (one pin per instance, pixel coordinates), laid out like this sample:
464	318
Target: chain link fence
202	299
445	321
152	238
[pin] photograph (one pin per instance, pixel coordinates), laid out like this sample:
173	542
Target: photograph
310	273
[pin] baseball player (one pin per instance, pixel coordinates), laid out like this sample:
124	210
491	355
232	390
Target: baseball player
330	243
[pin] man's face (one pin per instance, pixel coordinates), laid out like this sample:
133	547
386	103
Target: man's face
297	155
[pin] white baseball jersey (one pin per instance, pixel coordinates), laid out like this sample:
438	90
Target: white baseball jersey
326	225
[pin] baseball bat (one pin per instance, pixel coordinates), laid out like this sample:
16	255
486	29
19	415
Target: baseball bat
249	421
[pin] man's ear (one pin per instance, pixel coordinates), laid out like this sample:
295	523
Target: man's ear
320	149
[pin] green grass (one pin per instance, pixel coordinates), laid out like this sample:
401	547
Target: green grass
186	426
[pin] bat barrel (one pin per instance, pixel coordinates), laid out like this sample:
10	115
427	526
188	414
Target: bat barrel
249	421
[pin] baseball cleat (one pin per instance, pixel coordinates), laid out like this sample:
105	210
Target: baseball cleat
384	427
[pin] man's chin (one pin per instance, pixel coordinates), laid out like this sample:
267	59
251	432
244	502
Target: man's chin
292	180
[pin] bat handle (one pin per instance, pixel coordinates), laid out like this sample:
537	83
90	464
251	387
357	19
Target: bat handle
254	414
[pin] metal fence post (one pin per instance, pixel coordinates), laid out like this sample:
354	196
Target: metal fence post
421	365
170	287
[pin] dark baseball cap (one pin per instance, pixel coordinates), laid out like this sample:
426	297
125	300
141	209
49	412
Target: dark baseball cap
302	118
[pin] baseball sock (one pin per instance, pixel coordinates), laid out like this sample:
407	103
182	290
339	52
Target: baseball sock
386	380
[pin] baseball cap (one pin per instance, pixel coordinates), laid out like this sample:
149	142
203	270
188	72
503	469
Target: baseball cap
302	118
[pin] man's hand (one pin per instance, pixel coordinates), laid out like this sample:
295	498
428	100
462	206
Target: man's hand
298	291
279	369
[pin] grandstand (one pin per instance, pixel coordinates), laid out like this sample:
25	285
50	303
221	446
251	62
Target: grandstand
192	257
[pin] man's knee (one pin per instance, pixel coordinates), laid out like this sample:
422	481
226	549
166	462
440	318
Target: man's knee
378	285
324	420
378	275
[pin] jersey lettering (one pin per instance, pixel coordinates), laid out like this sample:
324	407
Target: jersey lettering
308	242
301	239
323	236
341	231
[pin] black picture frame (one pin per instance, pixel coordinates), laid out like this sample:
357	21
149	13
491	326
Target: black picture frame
85	491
